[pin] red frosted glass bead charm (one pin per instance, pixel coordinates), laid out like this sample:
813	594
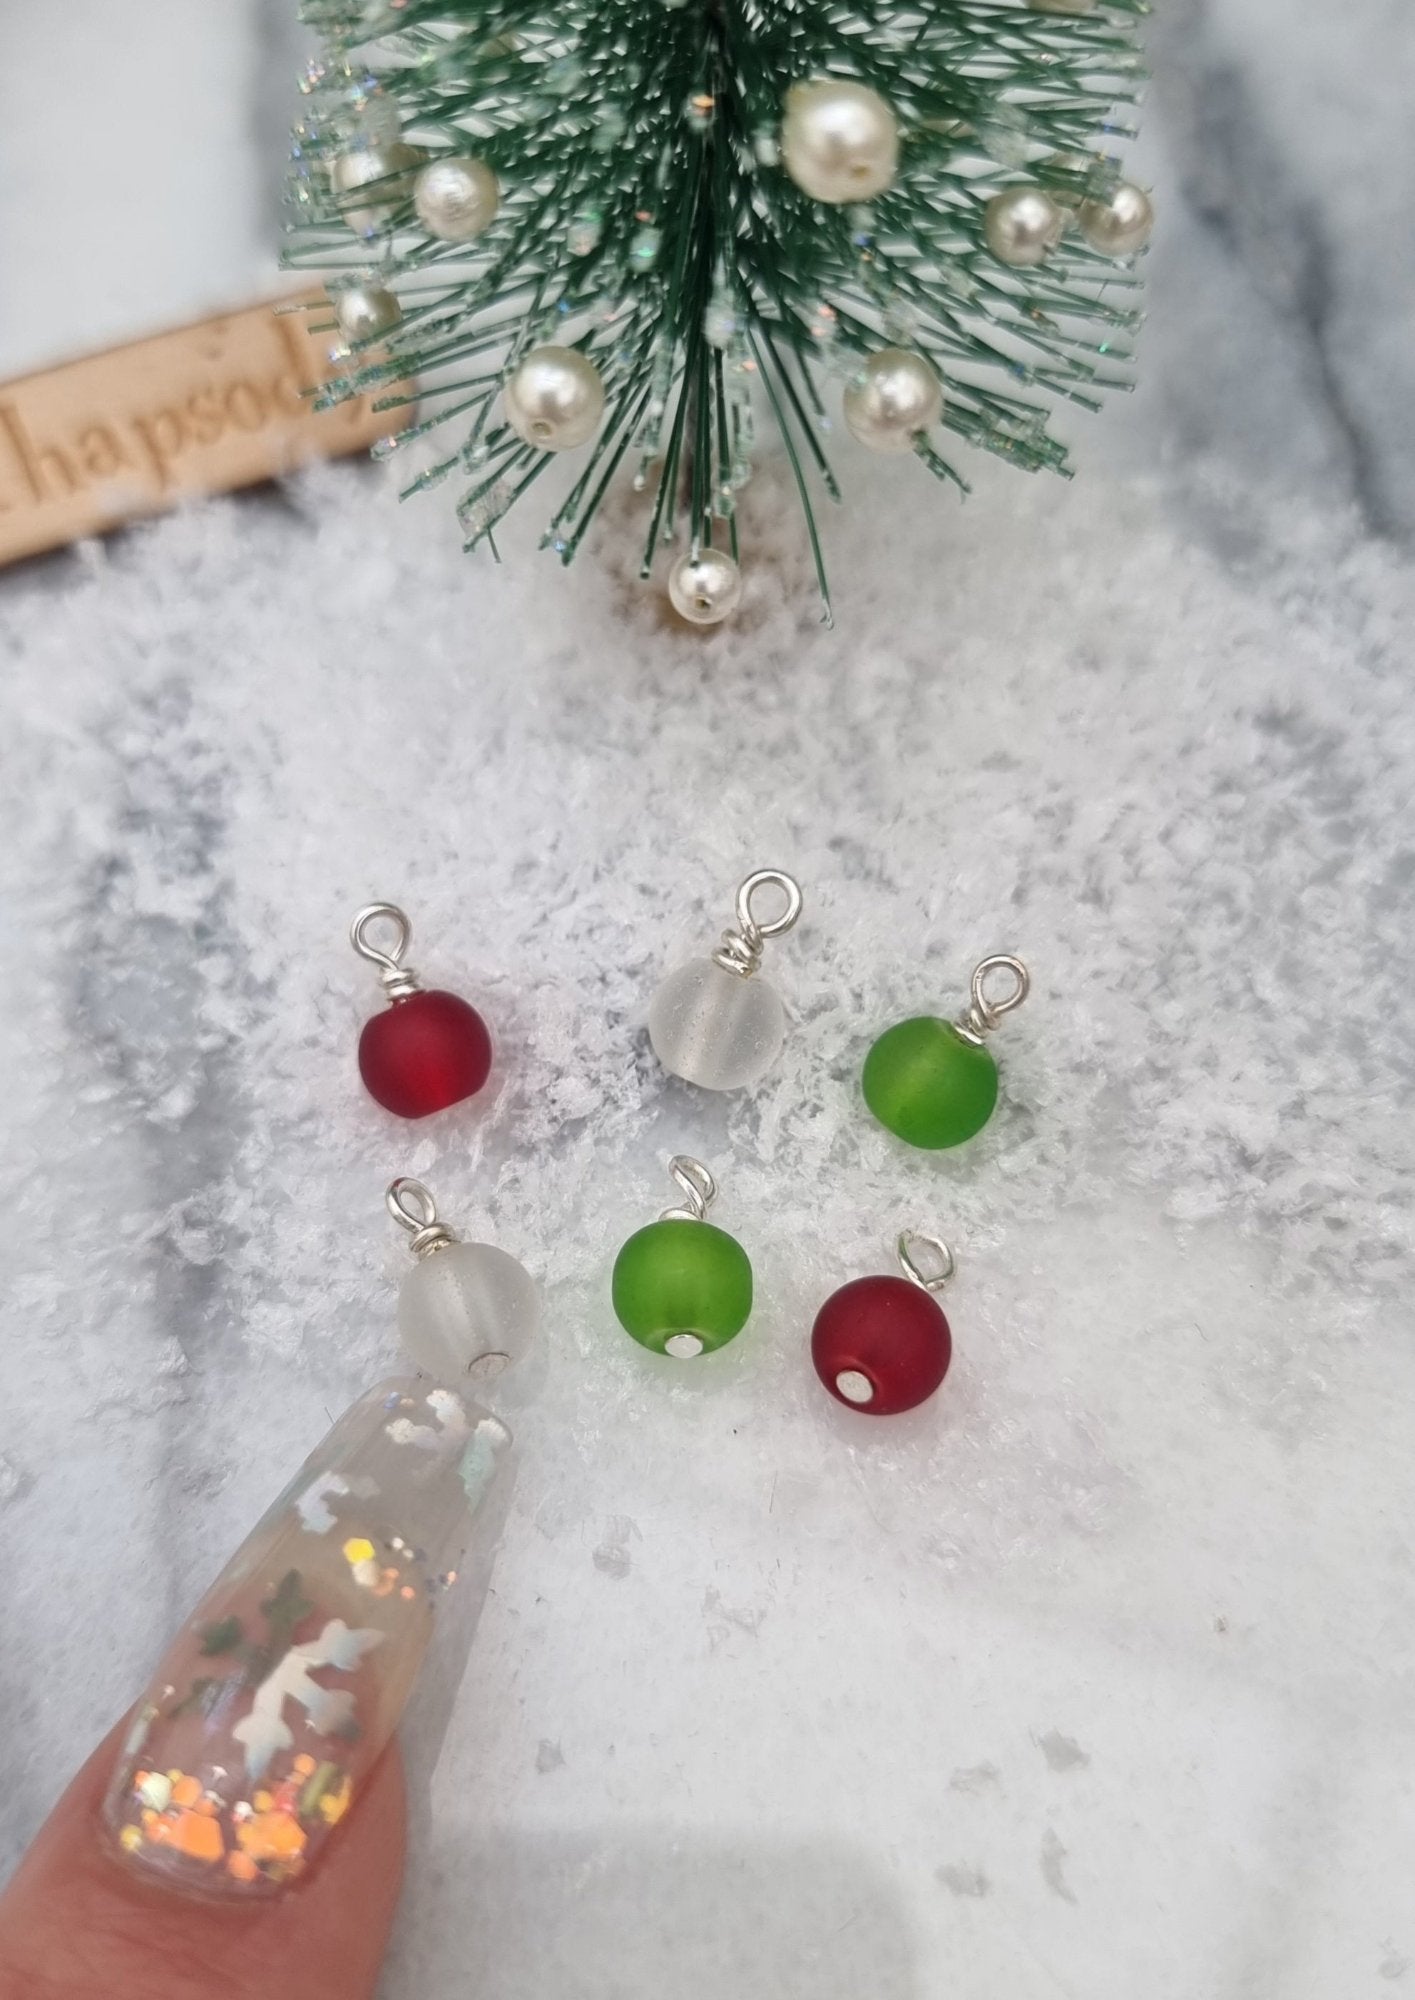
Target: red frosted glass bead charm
427	1049
882	1345
424	1053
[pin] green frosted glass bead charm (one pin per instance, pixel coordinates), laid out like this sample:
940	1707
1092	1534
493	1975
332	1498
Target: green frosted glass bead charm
928	1085
682	1286
933	1083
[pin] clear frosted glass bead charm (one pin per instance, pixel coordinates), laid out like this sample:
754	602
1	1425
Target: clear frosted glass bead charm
714	1021
715	1028
469	1308
466	1310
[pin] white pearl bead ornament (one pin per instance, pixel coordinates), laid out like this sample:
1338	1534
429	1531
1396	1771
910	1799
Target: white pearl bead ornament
1121	226
895	398
391	166
365	311
1022	224
555	399
456	199
715	1021
705	587
839	140
466	1311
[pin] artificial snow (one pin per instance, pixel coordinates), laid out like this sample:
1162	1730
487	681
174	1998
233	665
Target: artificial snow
1060	1682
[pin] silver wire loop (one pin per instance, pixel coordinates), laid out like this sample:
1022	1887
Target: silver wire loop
741	947
399	980
983	1013
412	1207
914	1271
699	1190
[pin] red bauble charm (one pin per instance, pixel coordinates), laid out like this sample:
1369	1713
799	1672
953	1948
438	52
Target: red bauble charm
881	1345
424	1053
428	1049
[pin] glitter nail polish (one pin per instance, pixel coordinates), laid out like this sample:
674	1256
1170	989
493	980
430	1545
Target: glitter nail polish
276	1699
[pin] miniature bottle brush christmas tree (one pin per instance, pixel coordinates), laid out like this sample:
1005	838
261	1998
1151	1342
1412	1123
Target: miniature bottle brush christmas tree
625	230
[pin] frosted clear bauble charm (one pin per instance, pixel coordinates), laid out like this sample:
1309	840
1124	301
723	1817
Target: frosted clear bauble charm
1022	224
456	199
555	399
1121	226
391	166
896	397
468	1307
715	1028
839	140
705	588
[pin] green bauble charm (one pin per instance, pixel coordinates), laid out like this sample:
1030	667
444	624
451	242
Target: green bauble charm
933	1083
682	1286
928	1085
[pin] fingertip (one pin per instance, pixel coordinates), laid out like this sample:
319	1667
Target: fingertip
78	1919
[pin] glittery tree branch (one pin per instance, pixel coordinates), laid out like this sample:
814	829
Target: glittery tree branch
645	219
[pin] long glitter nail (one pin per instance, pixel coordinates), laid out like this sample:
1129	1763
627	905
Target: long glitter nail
275	1700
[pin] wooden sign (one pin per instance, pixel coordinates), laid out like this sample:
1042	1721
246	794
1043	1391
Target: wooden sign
198	409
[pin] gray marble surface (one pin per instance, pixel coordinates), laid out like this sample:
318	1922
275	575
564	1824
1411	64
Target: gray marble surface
1092	1679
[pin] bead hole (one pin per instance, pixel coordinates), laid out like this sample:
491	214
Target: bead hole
855	1386
487	1367
541	428
683	1346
